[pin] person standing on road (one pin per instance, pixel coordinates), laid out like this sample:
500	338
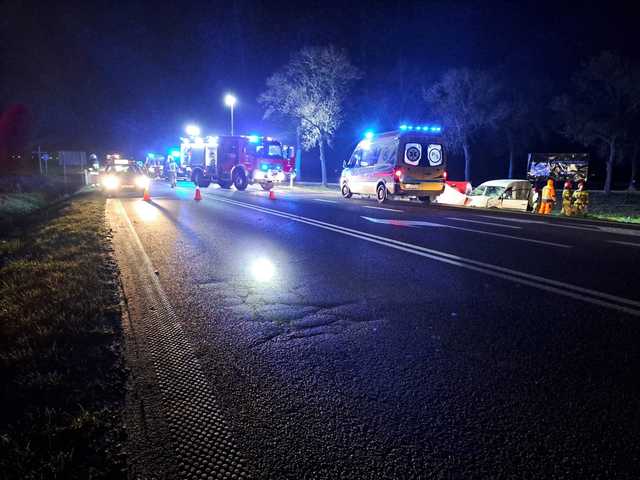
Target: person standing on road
173	169
567	200
581	199
548	198
535	199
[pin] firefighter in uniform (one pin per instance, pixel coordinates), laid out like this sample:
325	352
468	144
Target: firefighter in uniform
548	198
173	170
567	200
580	199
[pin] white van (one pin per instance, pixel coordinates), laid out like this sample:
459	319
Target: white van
508	194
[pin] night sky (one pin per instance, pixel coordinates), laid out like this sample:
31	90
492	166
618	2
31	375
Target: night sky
128	76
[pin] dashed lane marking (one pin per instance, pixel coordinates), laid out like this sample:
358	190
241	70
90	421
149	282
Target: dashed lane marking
325	201
383	208
484	223
620	242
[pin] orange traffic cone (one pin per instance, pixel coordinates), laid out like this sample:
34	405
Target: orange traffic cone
146	197
198	195
272	195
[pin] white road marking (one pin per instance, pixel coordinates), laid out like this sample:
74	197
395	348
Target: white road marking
403	223
323	200
383	208
583	294
412	223
483	223
620	242
589	227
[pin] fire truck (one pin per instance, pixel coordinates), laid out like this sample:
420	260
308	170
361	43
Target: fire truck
238	160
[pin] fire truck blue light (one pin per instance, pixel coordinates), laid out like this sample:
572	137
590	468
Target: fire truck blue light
264	166
368	135
254	138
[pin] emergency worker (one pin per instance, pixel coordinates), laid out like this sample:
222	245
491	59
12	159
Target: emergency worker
548	198
567	200
536	199
173	170
580	199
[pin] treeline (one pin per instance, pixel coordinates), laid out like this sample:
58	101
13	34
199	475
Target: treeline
599	110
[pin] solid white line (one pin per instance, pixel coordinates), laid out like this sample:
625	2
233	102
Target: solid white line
554	286
620	242
323	200
484	223
383	208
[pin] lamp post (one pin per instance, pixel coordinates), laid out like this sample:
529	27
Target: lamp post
230	101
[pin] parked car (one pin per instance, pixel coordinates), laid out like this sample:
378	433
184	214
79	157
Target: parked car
508	194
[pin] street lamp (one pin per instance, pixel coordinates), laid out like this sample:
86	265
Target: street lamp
230	101
193	130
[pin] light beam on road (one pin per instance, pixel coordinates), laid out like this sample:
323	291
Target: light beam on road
146	212
263	269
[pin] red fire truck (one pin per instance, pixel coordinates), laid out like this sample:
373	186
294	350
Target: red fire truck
237	160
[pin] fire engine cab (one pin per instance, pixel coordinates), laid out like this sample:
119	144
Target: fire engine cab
237	160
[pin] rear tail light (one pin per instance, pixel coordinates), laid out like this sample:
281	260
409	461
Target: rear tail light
397	174
444	174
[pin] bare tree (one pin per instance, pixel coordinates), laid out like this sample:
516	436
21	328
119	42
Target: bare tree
466	101
600	110
312	89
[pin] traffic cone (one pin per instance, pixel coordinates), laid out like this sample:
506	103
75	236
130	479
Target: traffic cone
146	197
272	195
198	195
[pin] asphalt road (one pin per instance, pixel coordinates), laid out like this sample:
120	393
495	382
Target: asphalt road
343	340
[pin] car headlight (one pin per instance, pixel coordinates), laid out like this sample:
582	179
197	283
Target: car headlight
142	182
111	182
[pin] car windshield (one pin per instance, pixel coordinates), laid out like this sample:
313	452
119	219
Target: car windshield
123	169
269	150
478	191
494	191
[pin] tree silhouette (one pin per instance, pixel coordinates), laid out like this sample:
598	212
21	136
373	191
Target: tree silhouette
601	108
466	101
312	89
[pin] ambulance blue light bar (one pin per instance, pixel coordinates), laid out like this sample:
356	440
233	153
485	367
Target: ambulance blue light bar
254	138
421	128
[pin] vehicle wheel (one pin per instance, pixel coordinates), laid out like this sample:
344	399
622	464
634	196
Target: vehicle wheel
267	186
381	193
224	183
346	192
239	179
425	200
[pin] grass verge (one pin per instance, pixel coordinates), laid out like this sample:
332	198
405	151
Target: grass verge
617	207
14	205
61	364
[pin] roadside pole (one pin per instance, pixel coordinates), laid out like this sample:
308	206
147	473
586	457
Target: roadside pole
298	155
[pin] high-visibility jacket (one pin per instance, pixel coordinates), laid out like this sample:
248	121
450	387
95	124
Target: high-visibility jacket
549	192
581	198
